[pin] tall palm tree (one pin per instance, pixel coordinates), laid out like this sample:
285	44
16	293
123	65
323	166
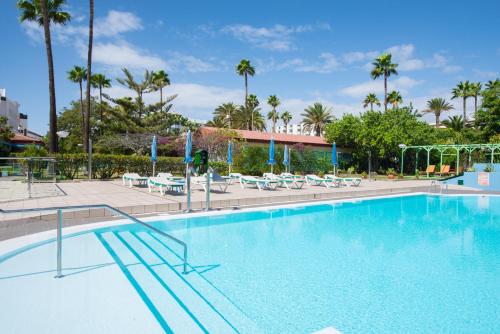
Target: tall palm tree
252	103
86	133
100	81
225	113
394	98
78	74
437	106
43	13
160	80
140	88
370	100
273	115
455	123
462	90
383	66
286	117
316	117
475	90
493	84
245	69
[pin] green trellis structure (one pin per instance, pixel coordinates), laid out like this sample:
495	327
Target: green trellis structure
453	150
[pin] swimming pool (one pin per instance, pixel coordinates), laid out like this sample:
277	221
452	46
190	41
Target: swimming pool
411	264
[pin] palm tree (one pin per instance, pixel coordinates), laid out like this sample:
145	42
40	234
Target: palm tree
493	84
383	66
86	133
286	117
316	117
139	87
244	68
462	90
273	115
100	81
44	12
78	74
475	90
225	113
370	100
252	103
394	98
437	106
455	123
160	80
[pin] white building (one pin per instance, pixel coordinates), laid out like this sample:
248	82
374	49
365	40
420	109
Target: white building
294	129
10	109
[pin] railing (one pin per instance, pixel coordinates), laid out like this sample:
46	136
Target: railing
435	184
99	206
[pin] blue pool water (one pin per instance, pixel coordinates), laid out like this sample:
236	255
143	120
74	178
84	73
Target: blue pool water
413	264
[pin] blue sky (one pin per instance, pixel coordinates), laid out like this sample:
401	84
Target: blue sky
303	51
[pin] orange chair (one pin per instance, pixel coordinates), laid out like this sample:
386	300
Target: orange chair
431	169
445	170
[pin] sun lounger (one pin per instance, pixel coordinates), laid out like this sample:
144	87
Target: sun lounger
445	170
202	181
345	181
130	178
259	183
290	176
164	185
312	179
171	177
431	169
234	177
287	182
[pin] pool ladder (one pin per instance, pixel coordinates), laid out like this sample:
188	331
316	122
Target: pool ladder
435	184
97	206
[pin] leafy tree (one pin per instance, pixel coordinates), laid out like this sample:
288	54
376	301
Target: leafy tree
100	81
456	123
487	117
437	106
370	100
394	98
273	115
43	13
78	74
286	117
140	88
245	69
160	80
383	66
5	135
462	90
316	117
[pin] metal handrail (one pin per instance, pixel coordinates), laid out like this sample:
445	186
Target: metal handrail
97	206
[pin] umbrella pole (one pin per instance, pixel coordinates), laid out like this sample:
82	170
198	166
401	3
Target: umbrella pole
272	168
154	168
188	189
229	168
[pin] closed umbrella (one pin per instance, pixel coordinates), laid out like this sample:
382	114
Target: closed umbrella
154	154
286	160
187	161
271	154
229	155
334	157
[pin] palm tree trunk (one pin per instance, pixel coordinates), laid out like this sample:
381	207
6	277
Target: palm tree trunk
89	75
52	89
465	113
371	106
385	91
437	120
161	98
100	102
82	112
475	104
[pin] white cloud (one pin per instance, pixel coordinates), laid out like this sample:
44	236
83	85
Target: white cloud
122	54
296	107
403	56
117	22
180	62
402	84
488	75
358	56
327	63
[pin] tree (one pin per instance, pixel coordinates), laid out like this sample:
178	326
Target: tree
252	103
370	100
475	90
286	117
383	66
245	114
44	12
456	123
160	80
437	106
100	81
487	117
145	86
5	135
223	114
245	69
316	117
462	90
273	115
78	74
86	132
394	98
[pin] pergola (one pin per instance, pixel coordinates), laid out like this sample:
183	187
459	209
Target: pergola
444	150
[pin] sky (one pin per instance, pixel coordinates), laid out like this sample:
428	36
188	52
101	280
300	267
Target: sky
303	51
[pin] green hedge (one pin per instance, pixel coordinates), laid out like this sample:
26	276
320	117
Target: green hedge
105	166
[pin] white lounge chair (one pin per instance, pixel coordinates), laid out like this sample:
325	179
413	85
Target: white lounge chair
286	182
171	177
259	183
164	185
312	179
202	181
130	178
345	181
234	177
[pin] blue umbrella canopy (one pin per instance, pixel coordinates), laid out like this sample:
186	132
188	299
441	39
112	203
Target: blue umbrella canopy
230	153
334	154
271	152
285	156
154	156
187	154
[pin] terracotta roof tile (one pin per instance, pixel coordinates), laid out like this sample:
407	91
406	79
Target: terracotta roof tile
20	138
